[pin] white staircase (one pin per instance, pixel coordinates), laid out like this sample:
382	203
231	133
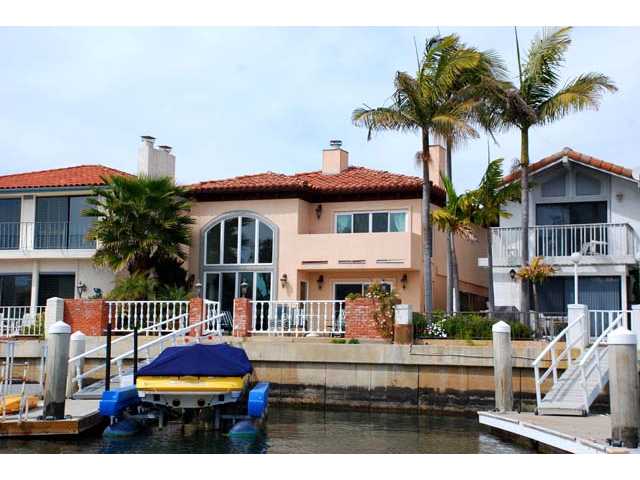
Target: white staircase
584	377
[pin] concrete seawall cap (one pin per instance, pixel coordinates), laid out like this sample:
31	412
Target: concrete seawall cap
501	327
622	336
60	327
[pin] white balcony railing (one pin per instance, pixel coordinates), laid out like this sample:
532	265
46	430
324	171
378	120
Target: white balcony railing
21	321
594	240
44	235
150	315
297	317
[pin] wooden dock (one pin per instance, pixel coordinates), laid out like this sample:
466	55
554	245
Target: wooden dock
568	434
82	416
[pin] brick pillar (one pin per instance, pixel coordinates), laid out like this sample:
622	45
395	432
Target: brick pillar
196	314
359	319
87	315
241	317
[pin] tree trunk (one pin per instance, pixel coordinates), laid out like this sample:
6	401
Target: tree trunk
451	283
427	240
524	182
491	300
455	280
536	306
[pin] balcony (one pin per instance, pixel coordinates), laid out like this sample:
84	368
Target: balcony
599	243
44	239
358	251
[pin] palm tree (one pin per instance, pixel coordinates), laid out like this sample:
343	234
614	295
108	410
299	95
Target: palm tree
423	104
454	219
539	100
536	273
141	224
489	200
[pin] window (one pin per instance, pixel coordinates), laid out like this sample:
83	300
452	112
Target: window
60	223
225	286
371	222
15	290
555	187
239	240
342	290
56	285
9	223
586	185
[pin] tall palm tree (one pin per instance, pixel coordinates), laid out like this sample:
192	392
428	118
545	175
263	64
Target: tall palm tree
421	103
489	200
455	219
540	99
141	224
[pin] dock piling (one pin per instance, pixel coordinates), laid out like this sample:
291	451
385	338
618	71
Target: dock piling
623	387
502	366
56	368
77	346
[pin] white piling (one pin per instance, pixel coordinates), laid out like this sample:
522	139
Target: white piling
623	387
502	366
78	345
56	367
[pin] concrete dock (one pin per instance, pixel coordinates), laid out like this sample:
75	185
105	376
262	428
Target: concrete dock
567	434
81	415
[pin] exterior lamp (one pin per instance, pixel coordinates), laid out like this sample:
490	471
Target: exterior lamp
198	289
320	281
244	286
575	259
512	274
404	281
283	280
319	211
81	288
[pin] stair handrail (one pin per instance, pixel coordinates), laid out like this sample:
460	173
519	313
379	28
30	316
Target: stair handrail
77	378
556	359
594	352
173	336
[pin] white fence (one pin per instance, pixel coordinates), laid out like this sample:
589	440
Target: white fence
595	239
21	321
298	317
123	315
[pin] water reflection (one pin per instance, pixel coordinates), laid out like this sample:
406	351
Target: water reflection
299	431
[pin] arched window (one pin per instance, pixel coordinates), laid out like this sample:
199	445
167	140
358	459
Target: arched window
238	253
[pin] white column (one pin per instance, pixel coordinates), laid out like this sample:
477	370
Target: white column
582	331
623	387
54	312
77	346
402	314
35	285
502	366
56	368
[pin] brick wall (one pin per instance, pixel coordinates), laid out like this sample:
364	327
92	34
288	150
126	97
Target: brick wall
196	307
359	318
88	316
241	317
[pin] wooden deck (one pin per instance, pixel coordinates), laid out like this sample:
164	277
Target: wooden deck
569	434
82	416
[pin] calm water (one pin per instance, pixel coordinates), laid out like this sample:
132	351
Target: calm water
300	431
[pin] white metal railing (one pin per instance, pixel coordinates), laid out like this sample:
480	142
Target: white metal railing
124	314
594	239
21	321
298	317
599	320
211	310
592	362
44	235
577	339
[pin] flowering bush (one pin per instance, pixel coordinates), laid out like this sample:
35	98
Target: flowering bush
386	300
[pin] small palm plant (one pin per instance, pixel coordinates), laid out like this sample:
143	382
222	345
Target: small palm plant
489	201
455	220
536	273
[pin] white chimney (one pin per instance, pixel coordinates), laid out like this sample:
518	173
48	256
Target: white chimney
334	159
155	162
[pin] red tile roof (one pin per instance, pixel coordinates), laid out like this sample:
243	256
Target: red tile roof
577	157
80	176
352	180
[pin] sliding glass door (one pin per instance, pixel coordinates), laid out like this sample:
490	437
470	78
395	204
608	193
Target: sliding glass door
60	223
224	287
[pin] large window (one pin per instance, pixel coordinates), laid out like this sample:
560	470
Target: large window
15	290
239	240
239	260
9	223
371	222
342	290
60	223
60	285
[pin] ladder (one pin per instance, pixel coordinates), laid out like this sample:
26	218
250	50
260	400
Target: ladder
574	391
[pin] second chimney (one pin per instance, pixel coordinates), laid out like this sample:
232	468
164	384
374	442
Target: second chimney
155	162
334	159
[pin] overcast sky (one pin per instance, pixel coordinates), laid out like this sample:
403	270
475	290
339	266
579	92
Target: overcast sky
235	101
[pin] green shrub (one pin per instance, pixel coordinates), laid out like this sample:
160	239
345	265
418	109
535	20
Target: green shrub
135	287
463	326
338	340
353	341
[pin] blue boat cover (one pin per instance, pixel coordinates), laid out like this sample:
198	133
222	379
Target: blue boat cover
199	361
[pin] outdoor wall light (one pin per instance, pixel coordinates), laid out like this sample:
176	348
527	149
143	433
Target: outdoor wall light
512	274
198	287
319	211
320	281
404	281
619	196
81	287
283	280
244	286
